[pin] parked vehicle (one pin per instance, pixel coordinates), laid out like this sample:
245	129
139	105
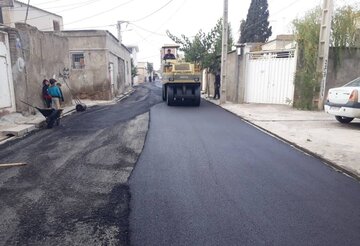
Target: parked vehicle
344	102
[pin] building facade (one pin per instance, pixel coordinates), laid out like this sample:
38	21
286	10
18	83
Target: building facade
134	49
39	18
35	56
142	72
281	42
100	66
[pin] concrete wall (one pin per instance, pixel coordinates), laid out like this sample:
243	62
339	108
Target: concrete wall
39	18
235	82
100	49
232	72
208	80
232	79
93	81
122	58
346	70
36	55
134	50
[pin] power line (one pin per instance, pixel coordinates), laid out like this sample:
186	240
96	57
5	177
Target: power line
157	29
146	30
286	7
93	27
144	39
37	17
48	2
37	3
100	13
171	16
88	17
147	16
72	4
19	9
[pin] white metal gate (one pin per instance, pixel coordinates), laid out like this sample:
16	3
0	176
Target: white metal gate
5	93
270	77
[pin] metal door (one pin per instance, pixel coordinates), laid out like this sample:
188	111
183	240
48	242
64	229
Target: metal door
5	95
270	77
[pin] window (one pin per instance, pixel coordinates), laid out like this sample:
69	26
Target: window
56	26
77	61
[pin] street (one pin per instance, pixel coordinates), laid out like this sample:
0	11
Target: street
205	177
73	190
142	173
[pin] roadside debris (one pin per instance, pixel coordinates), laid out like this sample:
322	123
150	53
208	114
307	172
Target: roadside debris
19	164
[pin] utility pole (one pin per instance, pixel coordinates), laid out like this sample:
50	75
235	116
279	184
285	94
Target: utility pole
118	26
119	30
224	53
324	43
27	11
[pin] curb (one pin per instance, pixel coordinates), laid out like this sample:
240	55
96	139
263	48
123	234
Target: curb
40	124
327	162
124	95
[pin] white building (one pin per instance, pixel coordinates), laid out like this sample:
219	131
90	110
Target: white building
142	72
134	49
41	19
281	42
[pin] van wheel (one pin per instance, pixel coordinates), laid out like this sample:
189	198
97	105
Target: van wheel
344	120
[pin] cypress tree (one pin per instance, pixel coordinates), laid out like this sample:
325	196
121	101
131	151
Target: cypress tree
256	27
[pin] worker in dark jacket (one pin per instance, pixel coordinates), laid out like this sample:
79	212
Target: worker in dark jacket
62	95
217	85
45	94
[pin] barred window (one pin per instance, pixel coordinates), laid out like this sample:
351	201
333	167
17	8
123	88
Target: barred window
78	61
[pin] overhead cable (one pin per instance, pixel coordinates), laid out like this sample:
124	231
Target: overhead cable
152	13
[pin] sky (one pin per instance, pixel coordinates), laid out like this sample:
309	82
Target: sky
146	22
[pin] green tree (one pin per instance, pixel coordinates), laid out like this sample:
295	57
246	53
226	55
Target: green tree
307	31
150	68
204	48
134	70
345	32
242	27
256	27
344	35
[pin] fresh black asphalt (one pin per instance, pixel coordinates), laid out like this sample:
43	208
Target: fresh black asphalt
205	177
74	189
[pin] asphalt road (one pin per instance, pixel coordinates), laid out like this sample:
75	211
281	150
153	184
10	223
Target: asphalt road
205	177
74	189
